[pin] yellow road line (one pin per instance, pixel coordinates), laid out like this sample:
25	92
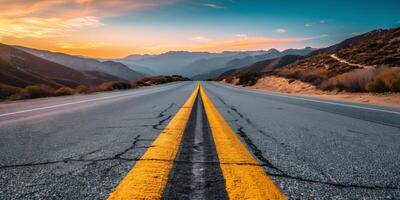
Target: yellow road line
244	177
147	179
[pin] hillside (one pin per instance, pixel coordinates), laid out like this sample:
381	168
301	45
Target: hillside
19	69
378	48
239	63
86	64
366	63
201	65
268	65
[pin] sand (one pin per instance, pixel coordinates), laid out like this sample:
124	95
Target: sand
279	84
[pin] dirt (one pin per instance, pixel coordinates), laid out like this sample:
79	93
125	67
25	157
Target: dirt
279	84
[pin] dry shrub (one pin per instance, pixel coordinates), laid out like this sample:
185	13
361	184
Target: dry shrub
248	79
106	86
354	81
6	91
63	91
115	85
366	80
314	77
229	79
33	91
82	89
388	80
156	80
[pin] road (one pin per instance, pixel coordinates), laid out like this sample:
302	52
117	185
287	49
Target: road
352	64
84	147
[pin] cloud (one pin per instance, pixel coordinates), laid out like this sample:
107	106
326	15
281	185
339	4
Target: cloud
200	39
242	35
32	27
211	5
308	25
322	21
355	33
280	30
90	45
46	18
246	43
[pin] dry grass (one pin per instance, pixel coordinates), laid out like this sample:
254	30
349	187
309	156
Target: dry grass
37	91
114	85
280	84
63	91
33	91
6	91
377	80
156	80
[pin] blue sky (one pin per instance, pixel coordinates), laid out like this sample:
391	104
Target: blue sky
336	19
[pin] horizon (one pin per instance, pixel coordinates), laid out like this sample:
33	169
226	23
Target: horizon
104	29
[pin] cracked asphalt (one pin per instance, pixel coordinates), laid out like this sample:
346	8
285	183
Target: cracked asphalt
80	147
81	151
316	150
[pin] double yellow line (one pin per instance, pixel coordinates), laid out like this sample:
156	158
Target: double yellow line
244	177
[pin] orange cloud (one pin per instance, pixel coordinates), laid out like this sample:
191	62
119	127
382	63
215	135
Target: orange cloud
45	27
248	43
90	45
48	18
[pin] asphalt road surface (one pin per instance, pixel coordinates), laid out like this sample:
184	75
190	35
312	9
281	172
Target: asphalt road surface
81	147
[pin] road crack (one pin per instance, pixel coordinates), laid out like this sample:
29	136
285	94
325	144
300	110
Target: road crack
81	158
280	173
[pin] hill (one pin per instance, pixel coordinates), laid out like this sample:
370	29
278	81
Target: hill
20	69
86	64
239	63
366	63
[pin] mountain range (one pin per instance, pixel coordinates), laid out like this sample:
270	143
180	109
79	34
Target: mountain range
202	65
86	64
353	61
22	66
20	69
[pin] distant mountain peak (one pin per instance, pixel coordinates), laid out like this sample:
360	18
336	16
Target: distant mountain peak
273	50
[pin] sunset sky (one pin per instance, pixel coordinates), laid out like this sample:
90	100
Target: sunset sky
117	28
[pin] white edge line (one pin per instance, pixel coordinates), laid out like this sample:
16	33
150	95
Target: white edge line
314	100
76	102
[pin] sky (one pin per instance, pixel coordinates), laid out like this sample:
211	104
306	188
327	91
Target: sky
117	28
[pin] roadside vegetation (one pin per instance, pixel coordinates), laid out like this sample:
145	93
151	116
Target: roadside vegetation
372	80
38	91
377	80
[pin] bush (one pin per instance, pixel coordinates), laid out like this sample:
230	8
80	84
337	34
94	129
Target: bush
366	80
82	89
34	91
62	91
248	79
156	80
115	85
229	79
388	80
6	91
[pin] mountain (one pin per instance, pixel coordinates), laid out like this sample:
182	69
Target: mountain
299	52
238	63
267	65
169	63
86	64
366	63
184	62
20	69
374	49
120	70
210	64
